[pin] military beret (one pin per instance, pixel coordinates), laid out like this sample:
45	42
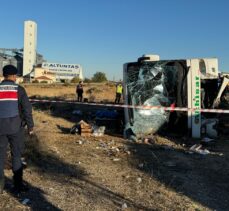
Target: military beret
9	70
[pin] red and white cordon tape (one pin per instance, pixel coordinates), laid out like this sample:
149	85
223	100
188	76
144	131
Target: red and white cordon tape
171	108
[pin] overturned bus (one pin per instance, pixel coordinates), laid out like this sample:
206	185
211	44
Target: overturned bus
185	86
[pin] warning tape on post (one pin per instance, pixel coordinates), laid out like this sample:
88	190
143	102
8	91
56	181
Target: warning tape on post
144	107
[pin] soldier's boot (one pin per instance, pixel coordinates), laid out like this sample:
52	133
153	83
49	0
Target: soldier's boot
2	184
19	186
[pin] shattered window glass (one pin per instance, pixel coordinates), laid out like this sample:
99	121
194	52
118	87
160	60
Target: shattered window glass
150	84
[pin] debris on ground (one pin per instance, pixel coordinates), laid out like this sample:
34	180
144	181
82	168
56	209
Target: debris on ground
124	206
85	129
141	165
75	129
98	131
116	159
196	148
139	179
81	128
25	201
208	141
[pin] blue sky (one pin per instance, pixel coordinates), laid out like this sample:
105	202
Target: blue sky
102	35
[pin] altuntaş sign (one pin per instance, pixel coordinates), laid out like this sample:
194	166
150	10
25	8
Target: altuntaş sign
64	71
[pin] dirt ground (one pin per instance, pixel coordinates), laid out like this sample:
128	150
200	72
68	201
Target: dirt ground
69	172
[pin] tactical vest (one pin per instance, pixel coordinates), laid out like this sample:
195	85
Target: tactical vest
8	99
119	89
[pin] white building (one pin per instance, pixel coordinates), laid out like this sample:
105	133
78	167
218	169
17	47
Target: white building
30	46
64	71
39	74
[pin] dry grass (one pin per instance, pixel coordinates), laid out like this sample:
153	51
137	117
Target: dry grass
98	92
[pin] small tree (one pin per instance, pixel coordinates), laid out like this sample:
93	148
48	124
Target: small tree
87	80
99	77
75	80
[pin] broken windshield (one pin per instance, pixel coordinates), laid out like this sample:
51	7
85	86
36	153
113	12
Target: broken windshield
150	84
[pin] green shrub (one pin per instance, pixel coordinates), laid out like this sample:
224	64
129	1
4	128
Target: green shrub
99	77
87	80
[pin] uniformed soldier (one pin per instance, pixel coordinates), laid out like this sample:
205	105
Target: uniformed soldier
79	91
15	109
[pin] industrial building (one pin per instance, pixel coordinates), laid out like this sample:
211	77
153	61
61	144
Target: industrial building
11	56
15	57
41	75
24	59
27	59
